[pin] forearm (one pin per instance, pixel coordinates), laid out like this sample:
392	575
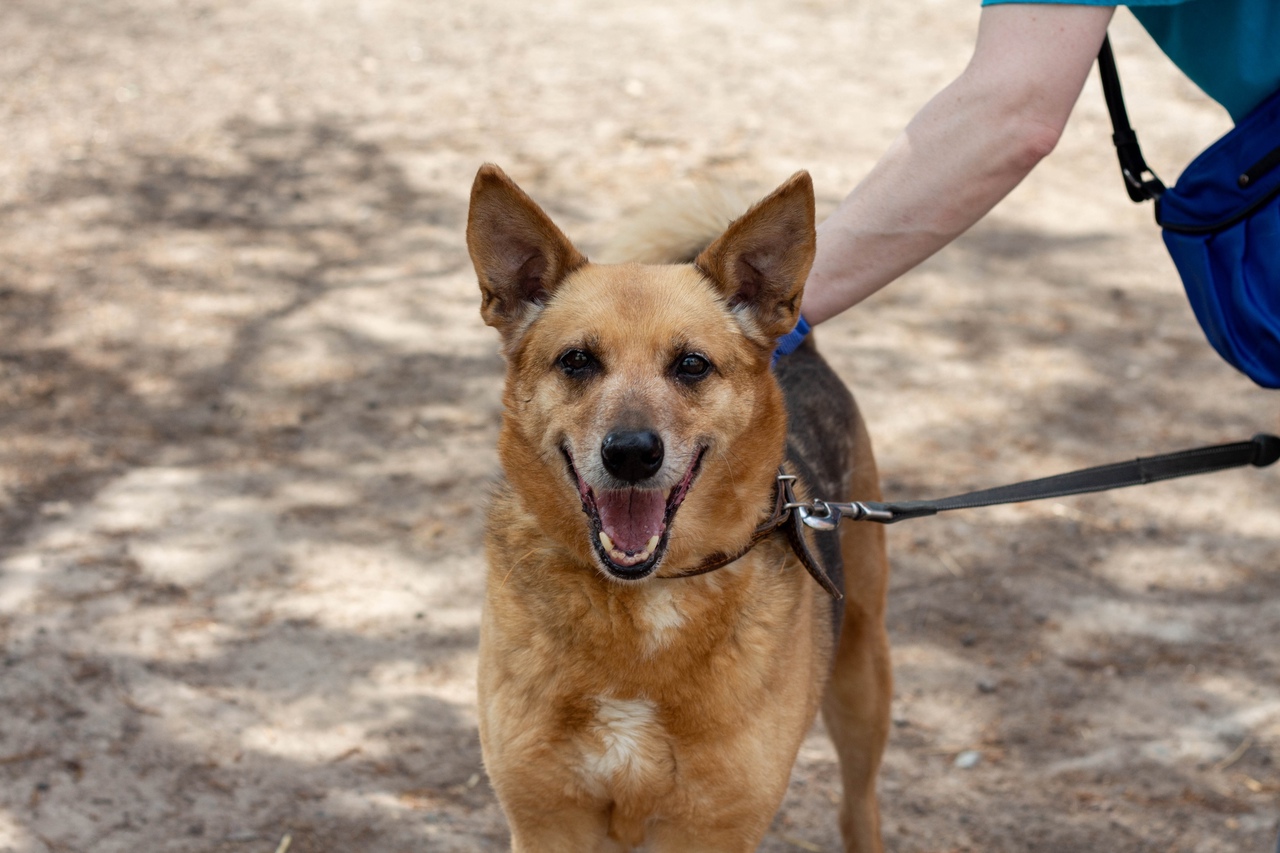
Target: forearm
935	181
962	153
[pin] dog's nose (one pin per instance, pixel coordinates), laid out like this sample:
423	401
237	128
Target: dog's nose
632	455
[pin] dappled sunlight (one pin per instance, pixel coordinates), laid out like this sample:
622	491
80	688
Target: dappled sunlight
1089	617
248	412
1149	565
956	719
14	836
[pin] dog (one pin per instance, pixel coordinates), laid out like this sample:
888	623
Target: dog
628	696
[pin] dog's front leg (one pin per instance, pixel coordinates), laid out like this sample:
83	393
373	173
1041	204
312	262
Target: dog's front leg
740	838
551	830
728	810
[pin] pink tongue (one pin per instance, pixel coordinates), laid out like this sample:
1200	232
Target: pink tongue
631	517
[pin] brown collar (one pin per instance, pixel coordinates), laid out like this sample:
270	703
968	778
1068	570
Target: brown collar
783	516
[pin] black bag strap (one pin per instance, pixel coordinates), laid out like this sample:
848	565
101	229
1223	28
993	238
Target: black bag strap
1141	183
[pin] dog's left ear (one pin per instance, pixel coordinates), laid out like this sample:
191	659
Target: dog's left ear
761	262
519	254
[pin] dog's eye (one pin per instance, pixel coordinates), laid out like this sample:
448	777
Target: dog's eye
692	366
576	362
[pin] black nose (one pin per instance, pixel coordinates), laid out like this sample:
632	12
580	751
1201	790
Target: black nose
632	455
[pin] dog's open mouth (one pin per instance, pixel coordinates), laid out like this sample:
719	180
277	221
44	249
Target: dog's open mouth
630	527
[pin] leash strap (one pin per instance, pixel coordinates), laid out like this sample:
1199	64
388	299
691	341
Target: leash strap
1260	451
1133	167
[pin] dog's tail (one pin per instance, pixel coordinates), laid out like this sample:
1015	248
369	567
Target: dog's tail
678	225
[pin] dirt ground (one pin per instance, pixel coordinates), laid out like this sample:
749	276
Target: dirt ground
248	410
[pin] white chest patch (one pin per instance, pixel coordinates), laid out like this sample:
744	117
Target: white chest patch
625	741
661	615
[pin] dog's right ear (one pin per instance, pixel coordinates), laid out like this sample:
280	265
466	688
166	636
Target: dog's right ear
519	254
760	263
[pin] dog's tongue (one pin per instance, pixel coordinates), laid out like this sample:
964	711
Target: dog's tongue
631	517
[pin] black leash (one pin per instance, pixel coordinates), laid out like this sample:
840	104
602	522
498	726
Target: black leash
788	513
1260	451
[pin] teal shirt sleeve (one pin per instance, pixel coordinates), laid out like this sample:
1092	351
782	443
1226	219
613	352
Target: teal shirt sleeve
1229	48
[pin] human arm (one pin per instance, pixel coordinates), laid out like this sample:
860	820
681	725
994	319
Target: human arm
964	151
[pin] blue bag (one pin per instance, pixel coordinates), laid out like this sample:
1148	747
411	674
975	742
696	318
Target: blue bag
1221	224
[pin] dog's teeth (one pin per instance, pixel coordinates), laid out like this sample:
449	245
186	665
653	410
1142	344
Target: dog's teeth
651	544
606	541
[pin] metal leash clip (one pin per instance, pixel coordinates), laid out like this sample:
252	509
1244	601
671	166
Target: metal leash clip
826	515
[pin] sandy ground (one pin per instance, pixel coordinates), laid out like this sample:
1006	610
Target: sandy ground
248	409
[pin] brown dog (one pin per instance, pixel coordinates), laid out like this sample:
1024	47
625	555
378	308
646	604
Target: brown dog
622	703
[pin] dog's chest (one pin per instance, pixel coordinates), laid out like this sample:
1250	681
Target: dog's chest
659	617
623	743
627	759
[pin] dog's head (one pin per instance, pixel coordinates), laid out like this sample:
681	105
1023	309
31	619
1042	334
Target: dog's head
643	424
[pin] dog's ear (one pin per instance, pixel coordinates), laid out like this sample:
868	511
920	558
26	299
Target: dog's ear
760	263
518	252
